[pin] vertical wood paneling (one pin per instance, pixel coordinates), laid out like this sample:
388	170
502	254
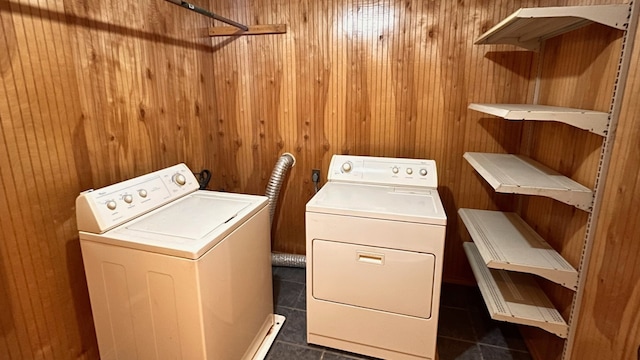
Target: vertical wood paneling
383	78
581	81
94	92
28	142
609	320
87	97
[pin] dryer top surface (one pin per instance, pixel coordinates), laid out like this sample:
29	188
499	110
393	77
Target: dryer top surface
397	203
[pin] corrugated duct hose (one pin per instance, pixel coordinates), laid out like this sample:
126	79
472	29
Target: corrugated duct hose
284	163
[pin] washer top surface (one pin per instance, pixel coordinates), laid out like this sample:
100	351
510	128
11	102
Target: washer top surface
397	203
187	227
163	212
192	218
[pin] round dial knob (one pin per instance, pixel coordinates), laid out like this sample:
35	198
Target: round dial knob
128	199
409	171
395	169
142	193
179	179
346	167
423	172
111	205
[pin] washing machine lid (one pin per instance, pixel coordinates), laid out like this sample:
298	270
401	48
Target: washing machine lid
187	227
381	202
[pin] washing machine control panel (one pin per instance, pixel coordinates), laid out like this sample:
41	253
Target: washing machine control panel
100	210
381	170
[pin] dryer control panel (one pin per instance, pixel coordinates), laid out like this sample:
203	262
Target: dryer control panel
103	209
382	170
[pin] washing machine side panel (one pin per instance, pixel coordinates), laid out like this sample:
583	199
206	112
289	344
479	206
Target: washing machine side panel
236	284
145	305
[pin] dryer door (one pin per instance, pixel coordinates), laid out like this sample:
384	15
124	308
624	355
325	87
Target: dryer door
377	278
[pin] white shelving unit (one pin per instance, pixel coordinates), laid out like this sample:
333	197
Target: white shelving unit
507	242
593	121
528	27
505	247
515	174
514	297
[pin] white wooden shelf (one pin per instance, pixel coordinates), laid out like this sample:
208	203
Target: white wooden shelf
593	121
506	242
515	174
514	297
528	27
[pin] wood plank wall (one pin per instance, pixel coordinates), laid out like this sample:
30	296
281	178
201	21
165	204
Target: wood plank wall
91	93
609	323
381	78
94	92
578	70
584	82
610	316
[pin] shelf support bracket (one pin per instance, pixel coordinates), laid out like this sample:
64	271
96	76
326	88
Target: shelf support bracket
207	13
253	30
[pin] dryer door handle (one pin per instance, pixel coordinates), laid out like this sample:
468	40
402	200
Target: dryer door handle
371	258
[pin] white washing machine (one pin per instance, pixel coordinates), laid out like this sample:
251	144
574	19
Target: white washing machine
375	242
175	272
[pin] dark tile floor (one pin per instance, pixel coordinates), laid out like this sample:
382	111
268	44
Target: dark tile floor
465	330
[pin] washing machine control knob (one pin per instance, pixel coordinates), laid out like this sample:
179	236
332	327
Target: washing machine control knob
179	179
128	199
142	193
395	169
111	205
346	167
423	172
409	171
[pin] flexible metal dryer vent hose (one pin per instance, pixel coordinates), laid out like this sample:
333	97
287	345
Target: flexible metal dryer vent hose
284	163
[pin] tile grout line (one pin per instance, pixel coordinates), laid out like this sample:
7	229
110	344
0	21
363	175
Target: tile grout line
455	307
504	348
291	281
304	290
473	329
321	351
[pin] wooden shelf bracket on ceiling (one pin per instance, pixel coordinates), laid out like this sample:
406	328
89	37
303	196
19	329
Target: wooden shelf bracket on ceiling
235	28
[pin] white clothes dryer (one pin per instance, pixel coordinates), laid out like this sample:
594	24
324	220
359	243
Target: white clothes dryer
375	241
175	272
